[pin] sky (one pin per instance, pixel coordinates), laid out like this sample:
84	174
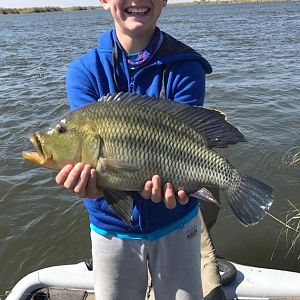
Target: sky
42	3
60	3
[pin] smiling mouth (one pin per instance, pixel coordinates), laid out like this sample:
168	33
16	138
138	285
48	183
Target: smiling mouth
140	11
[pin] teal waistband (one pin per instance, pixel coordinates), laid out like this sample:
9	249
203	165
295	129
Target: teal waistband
152	235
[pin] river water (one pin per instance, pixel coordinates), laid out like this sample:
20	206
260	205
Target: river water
255	53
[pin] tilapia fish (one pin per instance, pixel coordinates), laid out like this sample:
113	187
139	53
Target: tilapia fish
128	138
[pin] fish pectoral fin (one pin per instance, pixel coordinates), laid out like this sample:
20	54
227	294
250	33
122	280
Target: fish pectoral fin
121	203
205	195
106	164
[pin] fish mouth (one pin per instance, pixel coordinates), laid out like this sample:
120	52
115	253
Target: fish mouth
39	157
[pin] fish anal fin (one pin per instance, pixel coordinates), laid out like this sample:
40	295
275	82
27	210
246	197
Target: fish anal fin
205	195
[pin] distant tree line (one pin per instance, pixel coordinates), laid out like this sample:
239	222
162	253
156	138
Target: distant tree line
6	11
46	9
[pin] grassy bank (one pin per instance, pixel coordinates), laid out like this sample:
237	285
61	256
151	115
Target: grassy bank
6	11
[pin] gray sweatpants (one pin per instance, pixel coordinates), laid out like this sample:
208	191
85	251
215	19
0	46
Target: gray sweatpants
121	266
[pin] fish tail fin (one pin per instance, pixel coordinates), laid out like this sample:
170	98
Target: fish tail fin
249	199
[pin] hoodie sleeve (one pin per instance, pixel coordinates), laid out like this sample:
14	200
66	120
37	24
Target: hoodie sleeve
186	82
79	86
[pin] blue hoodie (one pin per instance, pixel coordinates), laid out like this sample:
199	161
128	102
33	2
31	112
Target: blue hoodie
175	72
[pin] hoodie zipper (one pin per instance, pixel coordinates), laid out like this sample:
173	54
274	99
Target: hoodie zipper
132	87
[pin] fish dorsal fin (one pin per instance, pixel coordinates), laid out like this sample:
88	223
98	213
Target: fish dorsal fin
212	124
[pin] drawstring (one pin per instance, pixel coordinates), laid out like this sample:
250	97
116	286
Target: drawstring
163	91
115	64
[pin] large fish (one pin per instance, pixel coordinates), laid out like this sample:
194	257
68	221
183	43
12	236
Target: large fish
128	138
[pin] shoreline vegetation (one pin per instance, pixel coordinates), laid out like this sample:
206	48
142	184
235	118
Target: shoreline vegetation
6	11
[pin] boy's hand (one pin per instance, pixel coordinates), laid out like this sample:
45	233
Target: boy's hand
152	190
80	179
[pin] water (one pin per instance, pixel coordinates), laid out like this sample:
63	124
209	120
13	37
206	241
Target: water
255	52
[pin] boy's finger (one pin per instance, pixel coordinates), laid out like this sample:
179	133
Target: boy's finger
183	198
81	184
63	174
74	175
92	191
146	193
169	196
156	189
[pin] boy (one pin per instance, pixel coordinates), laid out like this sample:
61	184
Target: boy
137	57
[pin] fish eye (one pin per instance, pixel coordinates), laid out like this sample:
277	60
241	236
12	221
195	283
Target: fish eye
60	128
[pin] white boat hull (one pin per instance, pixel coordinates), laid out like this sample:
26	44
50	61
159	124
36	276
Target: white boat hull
249	283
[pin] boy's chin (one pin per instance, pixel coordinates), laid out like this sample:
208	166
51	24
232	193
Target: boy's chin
140	29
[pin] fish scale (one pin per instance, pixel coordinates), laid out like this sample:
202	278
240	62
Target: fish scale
136	140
